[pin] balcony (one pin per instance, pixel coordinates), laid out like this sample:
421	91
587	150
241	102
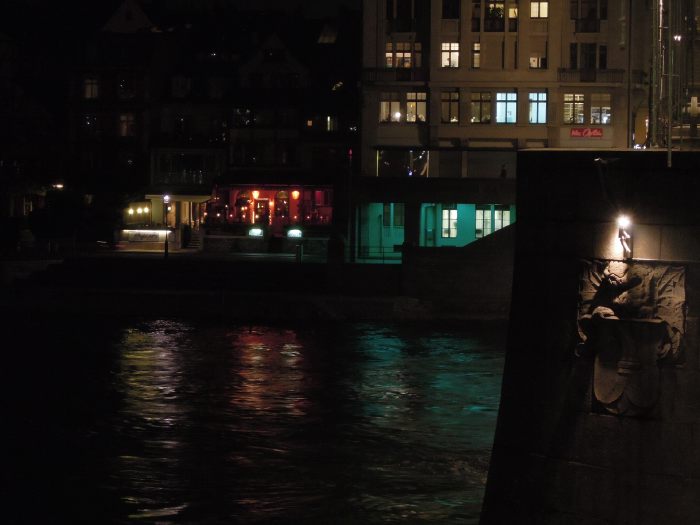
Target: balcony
606	76
587	25
395	75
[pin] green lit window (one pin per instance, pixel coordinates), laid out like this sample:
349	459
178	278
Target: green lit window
449	222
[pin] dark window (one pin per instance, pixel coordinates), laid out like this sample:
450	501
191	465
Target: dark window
242	117
573	9
450	9
386	215
573	56
403	9
603	9
126	88
603	57
589	9
588	57
476	16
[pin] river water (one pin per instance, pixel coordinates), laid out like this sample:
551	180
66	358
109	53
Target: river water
164	421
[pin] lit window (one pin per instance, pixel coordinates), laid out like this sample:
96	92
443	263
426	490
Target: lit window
389	54
538	107
331	123
416	107
449	222
501	217
494	19
481	107
506	107
573	108
91	88
126	125
483	221
538	62
450	107
450	54
601	108
539	9
389	108
513	18
476	55
403	54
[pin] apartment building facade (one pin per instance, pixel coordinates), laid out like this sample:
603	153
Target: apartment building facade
216	117
453	88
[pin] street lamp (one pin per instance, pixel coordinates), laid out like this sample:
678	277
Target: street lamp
166	202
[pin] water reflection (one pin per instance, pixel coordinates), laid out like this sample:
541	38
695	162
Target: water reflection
176	422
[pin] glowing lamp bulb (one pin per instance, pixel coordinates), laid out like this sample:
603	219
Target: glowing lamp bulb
295	194
139	210
256	194
623	221
131	211
145	209
397	115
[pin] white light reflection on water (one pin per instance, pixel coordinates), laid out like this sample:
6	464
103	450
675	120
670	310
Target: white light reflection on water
150	378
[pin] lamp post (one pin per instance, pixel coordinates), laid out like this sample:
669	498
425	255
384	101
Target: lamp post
166	203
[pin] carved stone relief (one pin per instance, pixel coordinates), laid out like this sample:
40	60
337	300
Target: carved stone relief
632	319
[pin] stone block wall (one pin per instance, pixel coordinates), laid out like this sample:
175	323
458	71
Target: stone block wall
566	449
475	280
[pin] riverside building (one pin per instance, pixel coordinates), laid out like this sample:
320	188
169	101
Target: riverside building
452	89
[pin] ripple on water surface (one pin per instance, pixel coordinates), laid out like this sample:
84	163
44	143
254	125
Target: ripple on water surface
175	422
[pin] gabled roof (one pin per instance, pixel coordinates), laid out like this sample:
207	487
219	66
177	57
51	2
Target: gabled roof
128	18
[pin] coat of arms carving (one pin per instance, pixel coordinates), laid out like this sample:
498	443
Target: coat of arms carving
632	319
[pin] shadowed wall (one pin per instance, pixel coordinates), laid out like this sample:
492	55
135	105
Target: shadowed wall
600	410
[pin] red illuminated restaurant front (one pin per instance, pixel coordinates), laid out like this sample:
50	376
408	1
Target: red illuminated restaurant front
276	207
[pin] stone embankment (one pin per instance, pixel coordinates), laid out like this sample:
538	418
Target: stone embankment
146	284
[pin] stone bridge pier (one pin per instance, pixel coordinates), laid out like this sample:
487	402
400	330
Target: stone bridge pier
599	420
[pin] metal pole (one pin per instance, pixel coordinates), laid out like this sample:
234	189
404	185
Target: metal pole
654	88
669	78
166	202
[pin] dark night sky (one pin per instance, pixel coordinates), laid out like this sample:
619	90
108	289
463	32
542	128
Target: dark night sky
39	17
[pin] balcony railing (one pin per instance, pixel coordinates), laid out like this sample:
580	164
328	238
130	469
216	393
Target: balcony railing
395	75
610	76
587	25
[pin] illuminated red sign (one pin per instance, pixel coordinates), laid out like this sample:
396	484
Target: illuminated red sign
586	133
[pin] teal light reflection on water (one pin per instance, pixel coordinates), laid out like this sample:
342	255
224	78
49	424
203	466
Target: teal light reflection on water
211	422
